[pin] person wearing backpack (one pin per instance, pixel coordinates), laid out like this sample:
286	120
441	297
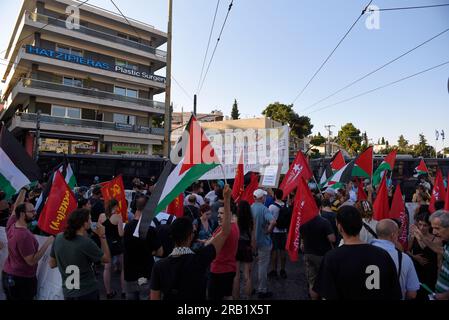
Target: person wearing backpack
282	214
162	222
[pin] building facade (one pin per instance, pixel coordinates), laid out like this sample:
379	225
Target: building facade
89	87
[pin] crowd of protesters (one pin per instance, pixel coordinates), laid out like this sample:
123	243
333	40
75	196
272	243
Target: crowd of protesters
213	250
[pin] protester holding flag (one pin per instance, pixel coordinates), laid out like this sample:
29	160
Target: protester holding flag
182	275
113	223
75	248
343	273
19	272
424	257
264	223
138	256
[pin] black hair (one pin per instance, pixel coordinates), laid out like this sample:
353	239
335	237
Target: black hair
350	220
423	216
325	203
219	194
141	202
279	194
21	208
439	205
82	202
245	218
109	205
180	230
75	221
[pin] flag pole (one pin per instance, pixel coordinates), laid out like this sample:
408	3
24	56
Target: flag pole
224	176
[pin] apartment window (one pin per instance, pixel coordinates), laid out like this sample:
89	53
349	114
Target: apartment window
127	64
127	37
124	118
69	50
73	82
134	39
65	112
126	92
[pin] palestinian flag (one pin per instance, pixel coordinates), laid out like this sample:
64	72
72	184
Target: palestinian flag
363	164
337	162
199	158
421	169
69	176
438	192
341	177
17	169
387	164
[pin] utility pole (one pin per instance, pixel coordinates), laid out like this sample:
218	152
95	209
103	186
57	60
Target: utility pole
38	136
329	133
167	117
194	104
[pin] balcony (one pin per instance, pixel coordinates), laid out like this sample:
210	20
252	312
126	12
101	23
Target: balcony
36	17
103	95
104	125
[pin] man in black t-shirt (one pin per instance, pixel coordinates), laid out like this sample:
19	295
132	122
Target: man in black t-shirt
182	275
317	238
356	271
138	256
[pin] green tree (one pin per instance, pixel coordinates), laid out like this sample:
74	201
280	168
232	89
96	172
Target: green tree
382	141
235	115
403	144
317	140
300	125
422	149
349	138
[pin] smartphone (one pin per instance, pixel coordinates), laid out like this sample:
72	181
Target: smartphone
93	226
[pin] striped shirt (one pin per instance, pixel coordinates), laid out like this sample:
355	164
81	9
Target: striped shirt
443	278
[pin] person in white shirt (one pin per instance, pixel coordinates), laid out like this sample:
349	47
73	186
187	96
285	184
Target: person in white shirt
212	195
195	191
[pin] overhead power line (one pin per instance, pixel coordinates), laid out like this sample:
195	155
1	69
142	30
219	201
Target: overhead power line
208	44
216	45
381	87
413	8
332	52
377	69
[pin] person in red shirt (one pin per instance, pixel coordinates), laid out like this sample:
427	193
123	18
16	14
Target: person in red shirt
19	272
224	267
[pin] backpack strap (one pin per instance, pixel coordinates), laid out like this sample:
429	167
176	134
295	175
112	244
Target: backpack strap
157	223
370	230
399	263
170	219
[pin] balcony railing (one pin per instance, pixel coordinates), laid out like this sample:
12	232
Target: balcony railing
37	17
44	118
58	87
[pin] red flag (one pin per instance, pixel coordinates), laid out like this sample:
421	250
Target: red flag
59	205
338	161
249	190
361	195
381	207
446	201
237	188
398	212
176	207
299	168
304	210
114	189
438	192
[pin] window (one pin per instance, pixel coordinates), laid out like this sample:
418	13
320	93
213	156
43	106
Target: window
122	35
65	112
127	37
134	39
73	82
126	92
126	64
124	119
69	50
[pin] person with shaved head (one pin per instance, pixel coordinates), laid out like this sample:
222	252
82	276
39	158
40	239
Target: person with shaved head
388	233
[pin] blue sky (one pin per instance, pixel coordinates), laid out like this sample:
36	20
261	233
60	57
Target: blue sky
270	49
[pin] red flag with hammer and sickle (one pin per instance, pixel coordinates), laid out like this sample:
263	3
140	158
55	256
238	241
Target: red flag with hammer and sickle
114	189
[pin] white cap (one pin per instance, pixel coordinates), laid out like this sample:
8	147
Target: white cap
259	193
